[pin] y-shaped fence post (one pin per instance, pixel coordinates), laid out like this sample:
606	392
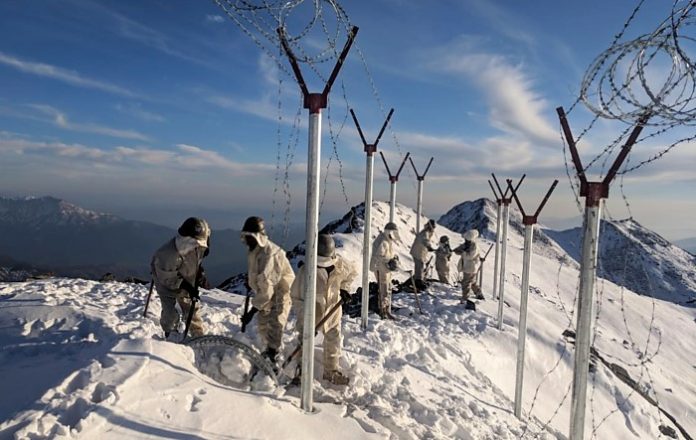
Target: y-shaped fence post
314	102
496	267
503	250
419	202
393	178
529	221
370	149
594	193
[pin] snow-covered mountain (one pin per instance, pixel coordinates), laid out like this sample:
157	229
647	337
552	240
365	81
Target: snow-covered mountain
638	259
40	212
482	215
82	363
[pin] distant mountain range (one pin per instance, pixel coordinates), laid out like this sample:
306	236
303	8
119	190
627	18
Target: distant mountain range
49	234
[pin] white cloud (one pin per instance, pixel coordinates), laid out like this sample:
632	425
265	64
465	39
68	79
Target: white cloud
514	106
61	120
214	18
183	156
137	111
262	108
64	75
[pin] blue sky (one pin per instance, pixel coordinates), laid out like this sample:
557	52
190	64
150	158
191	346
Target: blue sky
157	110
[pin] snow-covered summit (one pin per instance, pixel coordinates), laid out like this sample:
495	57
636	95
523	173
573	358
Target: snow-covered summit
49	211
482	215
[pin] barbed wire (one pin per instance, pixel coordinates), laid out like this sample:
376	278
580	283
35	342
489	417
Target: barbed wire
562	354
644	356
618	84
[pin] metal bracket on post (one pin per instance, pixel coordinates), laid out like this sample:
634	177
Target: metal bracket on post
314	102
593	192
393	178
370	149
419	202
529	221
505	201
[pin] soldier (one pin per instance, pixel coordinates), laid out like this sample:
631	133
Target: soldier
270	277
334	277
469	264
419	251
443	254
177	274
383	262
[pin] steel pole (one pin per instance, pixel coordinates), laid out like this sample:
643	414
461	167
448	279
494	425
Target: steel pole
367	245
497	252
588	268
311	225
480	280
522	332
392	201
503	252
419	205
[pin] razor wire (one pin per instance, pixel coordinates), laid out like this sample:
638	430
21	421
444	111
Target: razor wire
321	29
619	85
652	74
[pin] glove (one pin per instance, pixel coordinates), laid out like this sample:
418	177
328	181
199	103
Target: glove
346	296
192	291
393	264
248	316
202	279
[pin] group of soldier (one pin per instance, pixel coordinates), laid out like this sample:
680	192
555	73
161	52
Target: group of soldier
177	274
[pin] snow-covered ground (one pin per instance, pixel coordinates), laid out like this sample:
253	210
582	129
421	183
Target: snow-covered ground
78	360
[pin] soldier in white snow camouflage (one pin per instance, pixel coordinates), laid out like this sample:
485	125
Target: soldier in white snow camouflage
334	277
177	272
469	264
443	254
419	250
270	277
383	262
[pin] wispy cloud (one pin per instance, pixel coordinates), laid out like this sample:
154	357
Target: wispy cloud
137	111
262	108
214	18
514	106
61	120
64	75
133	30
182	156
502	21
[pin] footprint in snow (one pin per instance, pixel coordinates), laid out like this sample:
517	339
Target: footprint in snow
193	402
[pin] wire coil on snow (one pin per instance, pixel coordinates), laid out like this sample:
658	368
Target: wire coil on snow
210	342
649	74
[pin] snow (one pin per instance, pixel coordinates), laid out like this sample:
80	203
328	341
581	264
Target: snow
80	361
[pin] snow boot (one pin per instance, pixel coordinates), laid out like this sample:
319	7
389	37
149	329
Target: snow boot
336	377
271	354
172	336
386	314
